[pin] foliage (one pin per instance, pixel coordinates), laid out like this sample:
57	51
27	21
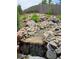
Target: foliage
19	12
44	1
49	1
21	20
58	17
49	12
23	17
35	17
18	22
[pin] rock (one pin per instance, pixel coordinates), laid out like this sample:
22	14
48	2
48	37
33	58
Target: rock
34	46
59	44
21	33
17	47
35	57
58	29
59	58
43	18
32	30
58	38
58	50
20	56
34	40
56	41
43	24
30	23
31	33
49	30
51	54
51	23
54	19
53	43
57	34
49	39
47	33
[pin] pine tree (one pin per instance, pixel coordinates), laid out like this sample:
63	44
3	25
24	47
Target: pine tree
19	12
44	1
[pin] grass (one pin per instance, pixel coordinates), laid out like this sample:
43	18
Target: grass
21	19
35	17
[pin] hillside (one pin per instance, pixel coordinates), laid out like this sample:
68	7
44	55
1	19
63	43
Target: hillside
44	8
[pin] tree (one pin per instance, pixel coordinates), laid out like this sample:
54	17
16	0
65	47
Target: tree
49	2
18	22
19	12
44	1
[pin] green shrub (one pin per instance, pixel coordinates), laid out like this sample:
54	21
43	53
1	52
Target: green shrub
35	17
49	12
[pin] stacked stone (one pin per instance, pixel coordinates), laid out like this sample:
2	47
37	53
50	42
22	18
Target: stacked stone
50	30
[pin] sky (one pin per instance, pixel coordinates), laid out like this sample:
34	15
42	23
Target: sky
28	3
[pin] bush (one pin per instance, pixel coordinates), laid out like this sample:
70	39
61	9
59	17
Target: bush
35	17
49	12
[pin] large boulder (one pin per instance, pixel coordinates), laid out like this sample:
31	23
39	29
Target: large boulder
51	54
34	46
